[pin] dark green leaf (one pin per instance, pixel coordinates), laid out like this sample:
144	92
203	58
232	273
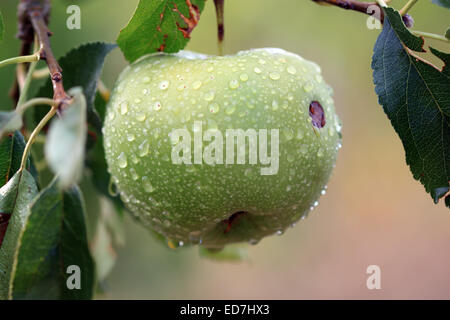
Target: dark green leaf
231	253
10	121
416	97
447	33
11	150
53	239
66	140
442	3
15	199
2	28
82	67
159	25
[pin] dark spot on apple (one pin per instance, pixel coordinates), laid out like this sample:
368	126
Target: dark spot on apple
232	220
4	220
317	114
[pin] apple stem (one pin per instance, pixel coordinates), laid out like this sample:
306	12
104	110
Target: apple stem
220	26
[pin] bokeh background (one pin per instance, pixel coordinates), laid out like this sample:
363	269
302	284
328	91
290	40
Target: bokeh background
373	213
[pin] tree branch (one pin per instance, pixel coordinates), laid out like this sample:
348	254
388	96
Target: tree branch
33	18
352	5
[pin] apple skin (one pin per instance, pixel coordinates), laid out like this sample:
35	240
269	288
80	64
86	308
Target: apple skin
215	205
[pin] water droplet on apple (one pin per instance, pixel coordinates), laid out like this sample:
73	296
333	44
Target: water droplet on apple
196	85
209	96
274	76
134	174
140	117
164	85
274	105
214	107
291	70
257	70
234	84
308	87
143	148
122	160
230	110
123	107
147	185
157	106
243	77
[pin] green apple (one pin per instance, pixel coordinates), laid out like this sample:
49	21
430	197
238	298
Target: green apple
215	150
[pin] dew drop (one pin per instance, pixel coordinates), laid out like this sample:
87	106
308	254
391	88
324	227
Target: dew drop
291	70
303	149
209	96
164	85
274	76
288	134
181	243
320	153
279	232
134	174
143	148
290	157
257	70
157	106
147	185
234	84
214	107
196	85
140	117
274	105
130	137
288	188
123	107
308	87
243	77
122	160
230	110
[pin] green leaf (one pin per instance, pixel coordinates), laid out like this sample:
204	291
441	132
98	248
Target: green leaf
15	199
66	140
11	150
159	25
231	253
416	98
442	3
2	28
82	67
53	238
10	121
447	33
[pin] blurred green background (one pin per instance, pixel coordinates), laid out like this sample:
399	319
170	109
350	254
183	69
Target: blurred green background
374	212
